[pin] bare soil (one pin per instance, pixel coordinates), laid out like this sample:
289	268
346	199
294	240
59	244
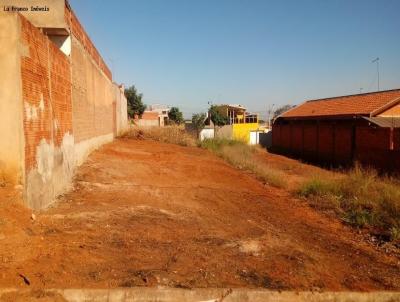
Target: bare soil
144	213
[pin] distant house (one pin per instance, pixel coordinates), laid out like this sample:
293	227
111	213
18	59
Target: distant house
162	111
241	124
154	115
341	130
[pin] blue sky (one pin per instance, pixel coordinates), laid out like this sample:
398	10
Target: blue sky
255	53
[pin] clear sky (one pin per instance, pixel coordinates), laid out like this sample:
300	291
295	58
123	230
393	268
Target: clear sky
254	53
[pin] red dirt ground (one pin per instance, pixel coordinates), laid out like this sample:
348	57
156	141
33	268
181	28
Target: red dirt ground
144	213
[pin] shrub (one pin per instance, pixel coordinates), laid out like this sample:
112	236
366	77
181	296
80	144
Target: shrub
317	187
216	144
363	198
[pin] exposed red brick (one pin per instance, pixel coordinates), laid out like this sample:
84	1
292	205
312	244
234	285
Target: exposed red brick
46	90
78	31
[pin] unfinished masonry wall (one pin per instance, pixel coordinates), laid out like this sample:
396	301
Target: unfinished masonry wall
47	117
58	103
94	119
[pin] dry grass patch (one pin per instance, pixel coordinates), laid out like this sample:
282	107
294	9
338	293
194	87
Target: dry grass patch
242	156
361	198
168	134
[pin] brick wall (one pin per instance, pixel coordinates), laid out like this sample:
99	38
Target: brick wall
93	92
78	31
46	90
92	96
70	108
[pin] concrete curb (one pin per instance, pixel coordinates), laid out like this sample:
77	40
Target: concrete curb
142	294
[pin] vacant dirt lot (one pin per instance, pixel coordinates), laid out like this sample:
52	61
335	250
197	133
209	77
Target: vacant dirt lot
143	213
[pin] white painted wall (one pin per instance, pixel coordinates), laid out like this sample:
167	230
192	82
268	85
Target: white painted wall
206	133
254	137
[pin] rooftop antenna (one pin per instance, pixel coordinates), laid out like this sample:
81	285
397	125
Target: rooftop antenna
377	68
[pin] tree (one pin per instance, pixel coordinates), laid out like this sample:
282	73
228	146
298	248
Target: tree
175	115
217	118
198	121
282	110
135	103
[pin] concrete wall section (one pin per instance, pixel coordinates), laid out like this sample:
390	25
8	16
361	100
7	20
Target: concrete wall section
53	173
93	95
84	148
11	132
121	109
165	294
224	132
41	13
147	123
266	139
148	119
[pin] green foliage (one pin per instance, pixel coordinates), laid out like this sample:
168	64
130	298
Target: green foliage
395	233
198	120
175	115
135	104
216	144
317	187
217	118
359	218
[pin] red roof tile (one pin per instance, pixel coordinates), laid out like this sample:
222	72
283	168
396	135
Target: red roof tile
359	104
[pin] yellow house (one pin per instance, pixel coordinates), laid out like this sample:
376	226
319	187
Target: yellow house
241	122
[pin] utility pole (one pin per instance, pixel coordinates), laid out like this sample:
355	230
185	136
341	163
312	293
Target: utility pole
269	111
377	68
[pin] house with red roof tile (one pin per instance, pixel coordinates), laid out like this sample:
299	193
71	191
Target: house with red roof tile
341	130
